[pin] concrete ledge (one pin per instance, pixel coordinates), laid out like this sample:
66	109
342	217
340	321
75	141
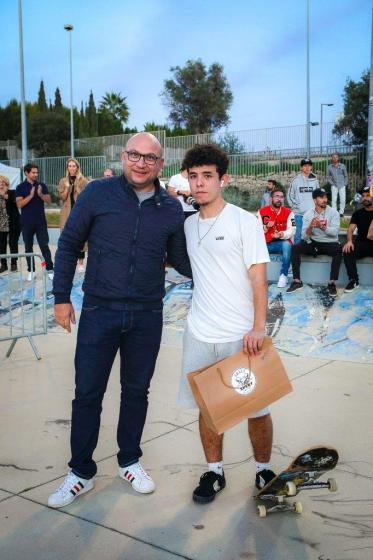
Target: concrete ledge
316	270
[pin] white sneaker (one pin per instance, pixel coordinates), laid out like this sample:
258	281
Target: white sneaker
71	488
282	281
80	268
30	276
138	478
50	274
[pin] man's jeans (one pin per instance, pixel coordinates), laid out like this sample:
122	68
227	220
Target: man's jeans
102	331
361	249
41	232
314	248
284	247
298	230
342	198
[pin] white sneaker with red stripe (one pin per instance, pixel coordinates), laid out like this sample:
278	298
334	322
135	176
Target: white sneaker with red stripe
71	488
138	478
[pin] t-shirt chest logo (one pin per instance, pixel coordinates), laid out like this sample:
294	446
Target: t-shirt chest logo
220	238
243	381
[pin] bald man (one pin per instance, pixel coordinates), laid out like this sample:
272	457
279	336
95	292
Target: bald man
130	225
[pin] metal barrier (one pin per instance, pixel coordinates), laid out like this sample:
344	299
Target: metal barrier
23	308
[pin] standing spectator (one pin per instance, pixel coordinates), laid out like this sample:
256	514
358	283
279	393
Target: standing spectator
12	235
30	198
4	223
338	178
108	172
130	225
69	189
279	229
300	194
361	246
320	237
178	186
266	198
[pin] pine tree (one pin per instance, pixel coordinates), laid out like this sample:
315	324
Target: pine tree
91	117
42	101
57	100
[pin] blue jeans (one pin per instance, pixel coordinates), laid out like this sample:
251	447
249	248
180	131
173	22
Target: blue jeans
283	247
102	332
298	225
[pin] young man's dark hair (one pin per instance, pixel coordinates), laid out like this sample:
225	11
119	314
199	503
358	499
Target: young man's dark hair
207	154
27	168
274	183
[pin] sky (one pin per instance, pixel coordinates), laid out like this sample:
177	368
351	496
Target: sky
129	47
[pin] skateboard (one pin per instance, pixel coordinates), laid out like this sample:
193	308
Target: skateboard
302	474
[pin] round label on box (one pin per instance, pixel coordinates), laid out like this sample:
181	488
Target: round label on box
243	381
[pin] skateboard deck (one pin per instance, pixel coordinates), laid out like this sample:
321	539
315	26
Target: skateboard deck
302	474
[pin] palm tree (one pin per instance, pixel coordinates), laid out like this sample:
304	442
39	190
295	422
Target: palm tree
115	105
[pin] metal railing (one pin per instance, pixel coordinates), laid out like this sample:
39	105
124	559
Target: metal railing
23	303
109	146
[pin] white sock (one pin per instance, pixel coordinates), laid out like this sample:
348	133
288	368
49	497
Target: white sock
262	466
216	467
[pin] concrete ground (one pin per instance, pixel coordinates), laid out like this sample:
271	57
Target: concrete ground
331	404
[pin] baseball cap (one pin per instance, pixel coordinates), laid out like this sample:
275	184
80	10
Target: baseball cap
318	192
365	189
306	161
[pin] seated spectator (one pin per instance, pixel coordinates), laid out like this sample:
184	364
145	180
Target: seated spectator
108	172
319	237
178	187
361	246
266	198
279	230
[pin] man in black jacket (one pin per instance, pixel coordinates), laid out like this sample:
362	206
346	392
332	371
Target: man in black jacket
130	226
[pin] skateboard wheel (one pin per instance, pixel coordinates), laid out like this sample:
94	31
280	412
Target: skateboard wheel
262	511
298	508
291	489
333	486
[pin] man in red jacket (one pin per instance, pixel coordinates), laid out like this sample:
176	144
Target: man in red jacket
279	229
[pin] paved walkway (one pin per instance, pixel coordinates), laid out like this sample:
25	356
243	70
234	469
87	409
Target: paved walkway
331	404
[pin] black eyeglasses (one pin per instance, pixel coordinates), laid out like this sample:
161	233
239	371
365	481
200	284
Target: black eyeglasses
150	159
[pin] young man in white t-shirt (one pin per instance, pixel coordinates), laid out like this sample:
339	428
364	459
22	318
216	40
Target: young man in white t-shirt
228	255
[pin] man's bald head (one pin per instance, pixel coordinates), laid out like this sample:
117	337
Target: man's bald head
142	160
144	137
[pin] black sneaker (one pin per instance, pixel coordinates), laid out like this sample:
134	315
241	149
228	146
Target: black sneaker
341	215
294	286
332	289
13	268
352	285
3	268
210	484
263	477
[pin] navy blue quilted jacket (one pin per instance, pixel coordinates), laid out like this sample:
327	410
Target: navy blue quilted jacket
127	245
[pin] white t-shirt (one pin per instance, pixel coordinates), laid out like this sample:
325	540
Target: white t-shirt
222	307
180	183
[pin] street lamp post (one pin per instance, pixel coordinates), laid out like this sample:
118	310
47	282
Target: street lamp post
321	121
308	129
69	29
22	81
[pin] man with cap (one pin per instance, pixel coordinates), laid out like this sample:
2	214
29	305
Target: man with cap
300	194
361	246
319	237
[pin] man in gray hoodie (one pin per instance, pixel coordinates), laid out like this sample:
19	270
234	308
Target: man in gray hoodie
319	237
300	194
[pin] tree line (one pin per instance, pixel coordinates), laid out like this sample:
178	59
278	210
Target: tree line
198	99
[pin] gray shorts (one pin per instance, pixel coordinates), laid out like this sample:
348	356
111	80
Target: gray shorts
198	354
